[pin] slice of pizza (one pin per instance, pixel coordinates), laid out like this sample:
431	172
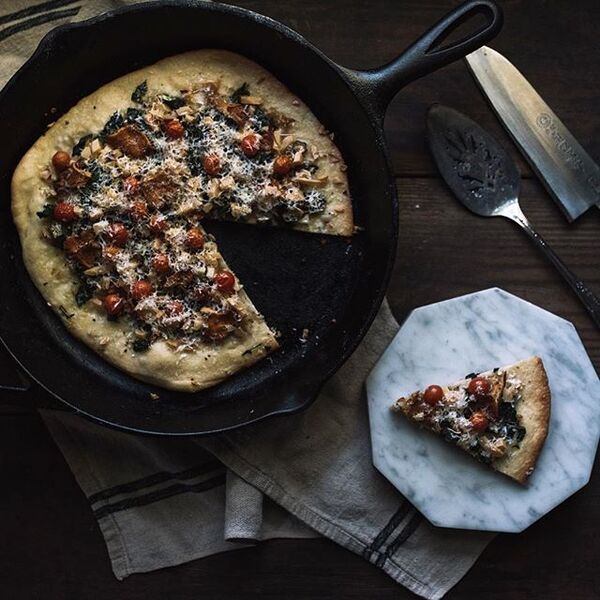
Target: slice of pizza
109	204
500	417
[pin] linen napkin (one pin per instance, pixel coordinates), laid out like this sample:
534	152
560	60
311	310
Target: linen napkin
161	502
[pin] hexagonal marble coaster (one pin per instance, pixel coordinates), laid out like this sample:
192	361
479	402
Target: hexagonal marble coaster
442	342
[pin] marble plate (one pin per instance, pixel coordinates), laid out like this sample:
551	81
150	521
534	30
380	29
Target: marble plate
442	342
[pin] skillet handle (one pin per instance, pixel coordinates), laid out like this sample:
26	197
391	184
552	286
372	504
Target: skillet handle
427	54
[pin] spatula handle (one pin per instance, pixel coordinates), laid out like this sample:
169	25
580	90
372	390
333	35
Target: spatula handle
587	297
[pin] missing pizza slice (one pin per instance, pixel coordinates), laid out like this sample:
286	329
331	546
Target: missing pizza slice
500	417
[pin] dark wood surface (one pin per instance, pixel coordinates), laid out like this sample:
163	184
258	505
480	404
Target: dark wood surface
51	546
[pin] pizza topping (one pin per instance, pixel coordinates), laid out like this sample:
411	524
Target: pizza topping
131	185
174	129
225	281
282	165
211	165
479	387
61	160
141	289
117	234
72	177
479	414
220	324
158	189
82	248
433	394
176	307
479	421
195	238
131	141
128	201
140	92
254	100
64	211
114	305
157	224
250	144
138	211
160	263
238	114
110	253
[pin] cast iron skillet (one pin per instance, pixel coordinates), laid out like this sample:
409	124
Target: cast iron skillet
330	287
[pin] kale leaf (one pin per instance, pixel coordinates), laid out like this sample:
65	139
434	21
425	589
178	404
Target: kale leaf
79	146
173	102
46	212
83	294
261	119
243	90
509	426
140	92
135	116
115	122
141	345
195	133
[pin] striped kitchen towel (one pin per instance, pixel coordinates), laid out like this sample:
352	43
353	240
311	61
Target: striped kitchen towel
161	502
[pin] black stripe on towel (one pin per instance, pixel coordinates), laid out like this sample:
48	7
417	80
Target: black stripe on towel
156	478
34	10
40	20
167	492
405	533
383	535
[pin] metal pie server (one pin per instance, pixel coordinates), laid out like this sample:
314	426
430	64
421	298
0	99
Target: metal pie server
567	171
485	179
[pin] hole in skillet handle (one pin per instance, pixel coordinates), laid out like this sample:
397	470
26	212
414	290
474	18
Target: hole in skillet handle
428	54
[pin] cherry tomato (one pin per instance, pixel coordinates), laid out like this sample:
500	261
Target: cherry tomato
282	165
176	307
266	141
479	421
114	304
160	263
479	387
250	144
131	185
117	233
64	211
225	281
138	211
211	165
140	289
195	238
174	129
61	160
433	394
157	224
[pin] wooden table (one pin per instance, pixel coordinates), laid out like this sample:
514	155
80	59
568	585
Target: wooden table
51	546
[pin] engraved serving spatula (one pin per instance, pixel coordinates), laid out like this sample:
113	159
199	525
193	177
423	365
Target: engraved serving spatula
485	179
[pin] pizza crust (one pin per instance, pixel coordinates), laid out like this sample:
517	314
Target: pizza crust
160	365
534	414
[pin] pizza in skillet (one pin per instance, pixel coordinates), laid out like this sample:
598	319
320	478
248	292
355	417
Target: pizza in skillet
109	205
499	417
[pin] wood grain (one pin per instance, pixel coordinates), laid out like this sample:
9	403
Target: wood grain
554	45
52	547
